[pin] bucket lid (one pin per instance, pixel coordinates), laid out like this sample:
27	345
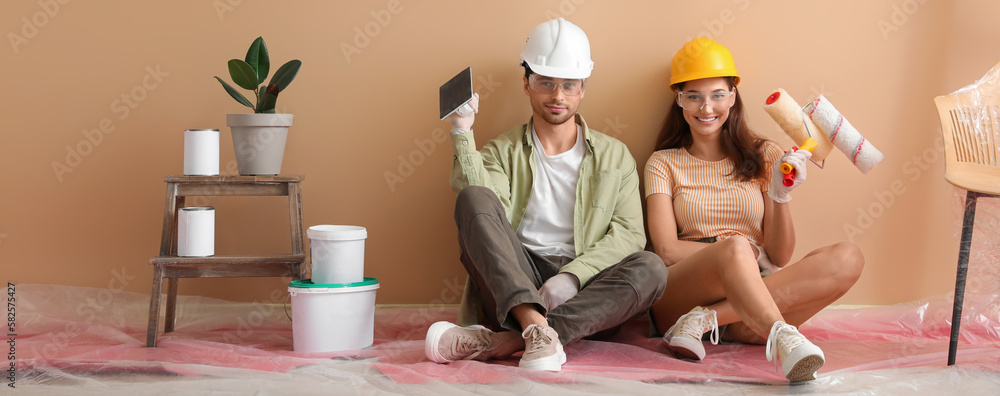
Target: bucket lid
195	208
306	286
337	232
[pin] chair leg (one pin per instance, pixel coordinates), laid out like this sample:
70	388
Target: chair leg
963	266
154	307
168	323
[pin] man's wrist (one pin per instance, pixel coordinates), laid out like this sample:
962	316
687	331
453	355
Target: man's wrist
459	131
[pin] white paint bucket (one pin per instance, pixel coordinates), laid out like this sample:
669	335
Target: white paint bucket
337	253
329	318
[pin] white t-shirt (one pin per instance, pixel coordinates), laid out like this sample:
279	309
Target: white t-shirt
547	226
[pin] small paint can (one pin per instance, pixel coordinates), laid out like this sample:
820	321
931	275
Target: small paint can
196	231
201	152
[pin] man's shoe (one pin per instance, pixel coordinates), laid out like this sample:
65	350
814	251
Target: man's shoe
799	358
684	337
542	349
446	342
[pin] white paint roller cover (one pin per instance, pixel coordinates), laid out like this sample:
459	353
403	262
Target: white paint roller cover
789	116
843	135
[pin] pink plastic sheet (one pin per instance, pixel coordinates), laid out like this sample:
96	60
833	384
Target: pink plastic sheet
77	340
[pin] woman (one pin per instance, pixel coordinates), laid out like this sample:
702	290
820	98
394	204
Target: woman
720	219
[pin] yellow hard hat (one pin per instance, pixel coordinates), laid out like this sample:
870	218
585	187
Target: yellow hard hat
702	58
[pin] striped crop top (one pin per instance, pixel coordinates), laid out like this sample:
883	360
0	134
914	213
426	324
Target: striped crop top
709	201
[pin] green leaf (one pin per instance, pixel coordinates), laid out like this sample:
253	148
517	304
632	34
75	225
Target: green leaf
235	94
243	74
258	59
284	76
267	104
261	96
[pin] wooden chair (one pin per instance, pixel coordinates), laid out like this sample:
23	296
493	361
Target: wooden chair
970	125
168	265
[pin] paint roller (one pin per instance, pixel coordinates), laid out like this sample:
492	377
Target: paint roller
818	130
789	116
843	135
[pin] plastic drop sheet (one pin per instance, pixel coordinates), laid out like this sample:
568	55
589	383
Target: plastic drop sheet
88	341
61	349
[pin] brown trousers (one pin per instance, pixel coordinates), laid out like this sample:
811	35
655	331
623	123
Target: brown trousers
507	274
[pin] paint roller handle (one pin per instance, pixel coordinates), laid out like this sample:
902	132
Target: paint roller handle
789	170
789	178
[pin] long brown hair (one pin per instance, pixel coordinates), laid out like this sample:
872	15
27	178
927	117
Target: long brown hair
739	142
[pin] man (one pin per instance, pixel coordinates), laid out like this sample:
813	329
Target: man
549	220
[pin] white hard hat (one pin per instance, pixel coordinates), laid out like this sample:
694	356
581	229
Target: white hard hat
559	49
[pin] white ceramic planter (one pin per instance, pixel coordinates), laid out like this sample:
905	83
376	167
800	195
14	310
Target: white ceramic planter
259	142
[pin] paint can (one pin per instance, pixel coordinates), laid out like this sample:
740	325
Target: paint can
196	231
201	152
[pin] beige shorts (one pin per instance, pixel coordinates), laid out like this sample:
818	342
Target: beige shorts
764	262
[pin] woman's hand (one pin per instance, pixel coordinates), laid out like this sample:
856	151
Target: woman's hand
797	159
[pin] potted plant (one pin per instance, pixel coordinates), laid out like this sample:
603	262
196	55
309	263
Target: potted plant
259	137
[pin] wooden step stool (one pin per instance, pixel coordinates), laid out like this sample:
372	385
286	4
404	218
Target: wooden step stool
168	265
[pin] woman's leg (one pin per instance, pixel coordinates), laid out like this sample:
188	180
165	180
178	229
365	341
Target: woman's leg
799	290
726	270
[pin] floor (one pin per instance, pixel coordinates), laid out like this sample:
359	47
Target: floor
82	341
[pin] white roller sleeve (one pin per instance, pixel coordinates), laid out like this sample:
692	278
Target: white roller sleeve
789	116
843	135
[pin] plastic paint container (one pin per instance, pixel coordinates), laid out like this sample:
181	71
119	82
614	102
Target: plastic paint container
332	317
337	253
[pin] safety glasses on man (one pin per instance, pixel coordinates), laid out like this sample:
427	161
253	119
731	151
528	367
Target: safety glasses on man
543	84
694	100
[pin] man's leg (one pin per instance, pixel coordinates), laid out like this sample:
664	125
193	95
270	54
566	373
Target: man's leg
507	280
498	264
611	298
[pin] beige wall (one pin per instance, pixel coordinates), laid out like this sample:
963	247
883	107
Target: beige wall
359	114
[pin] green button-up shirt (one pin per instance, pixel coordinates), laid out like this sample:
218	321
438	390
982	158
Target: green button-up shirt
607	214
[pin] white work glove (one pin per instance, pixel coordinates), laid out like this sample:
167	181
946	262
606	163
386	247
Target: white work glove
463	118
798	159
559	289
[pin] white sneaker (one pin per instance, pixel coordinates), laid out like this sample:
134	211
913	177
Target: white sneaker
446	342
542	349
799	358
684	337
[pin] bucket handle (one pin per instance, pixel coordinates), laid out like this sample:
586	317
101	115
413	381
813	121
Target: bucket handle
285	306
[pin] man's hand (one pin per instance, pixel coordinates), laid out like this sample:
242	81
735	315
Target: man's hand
463	118
559	289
